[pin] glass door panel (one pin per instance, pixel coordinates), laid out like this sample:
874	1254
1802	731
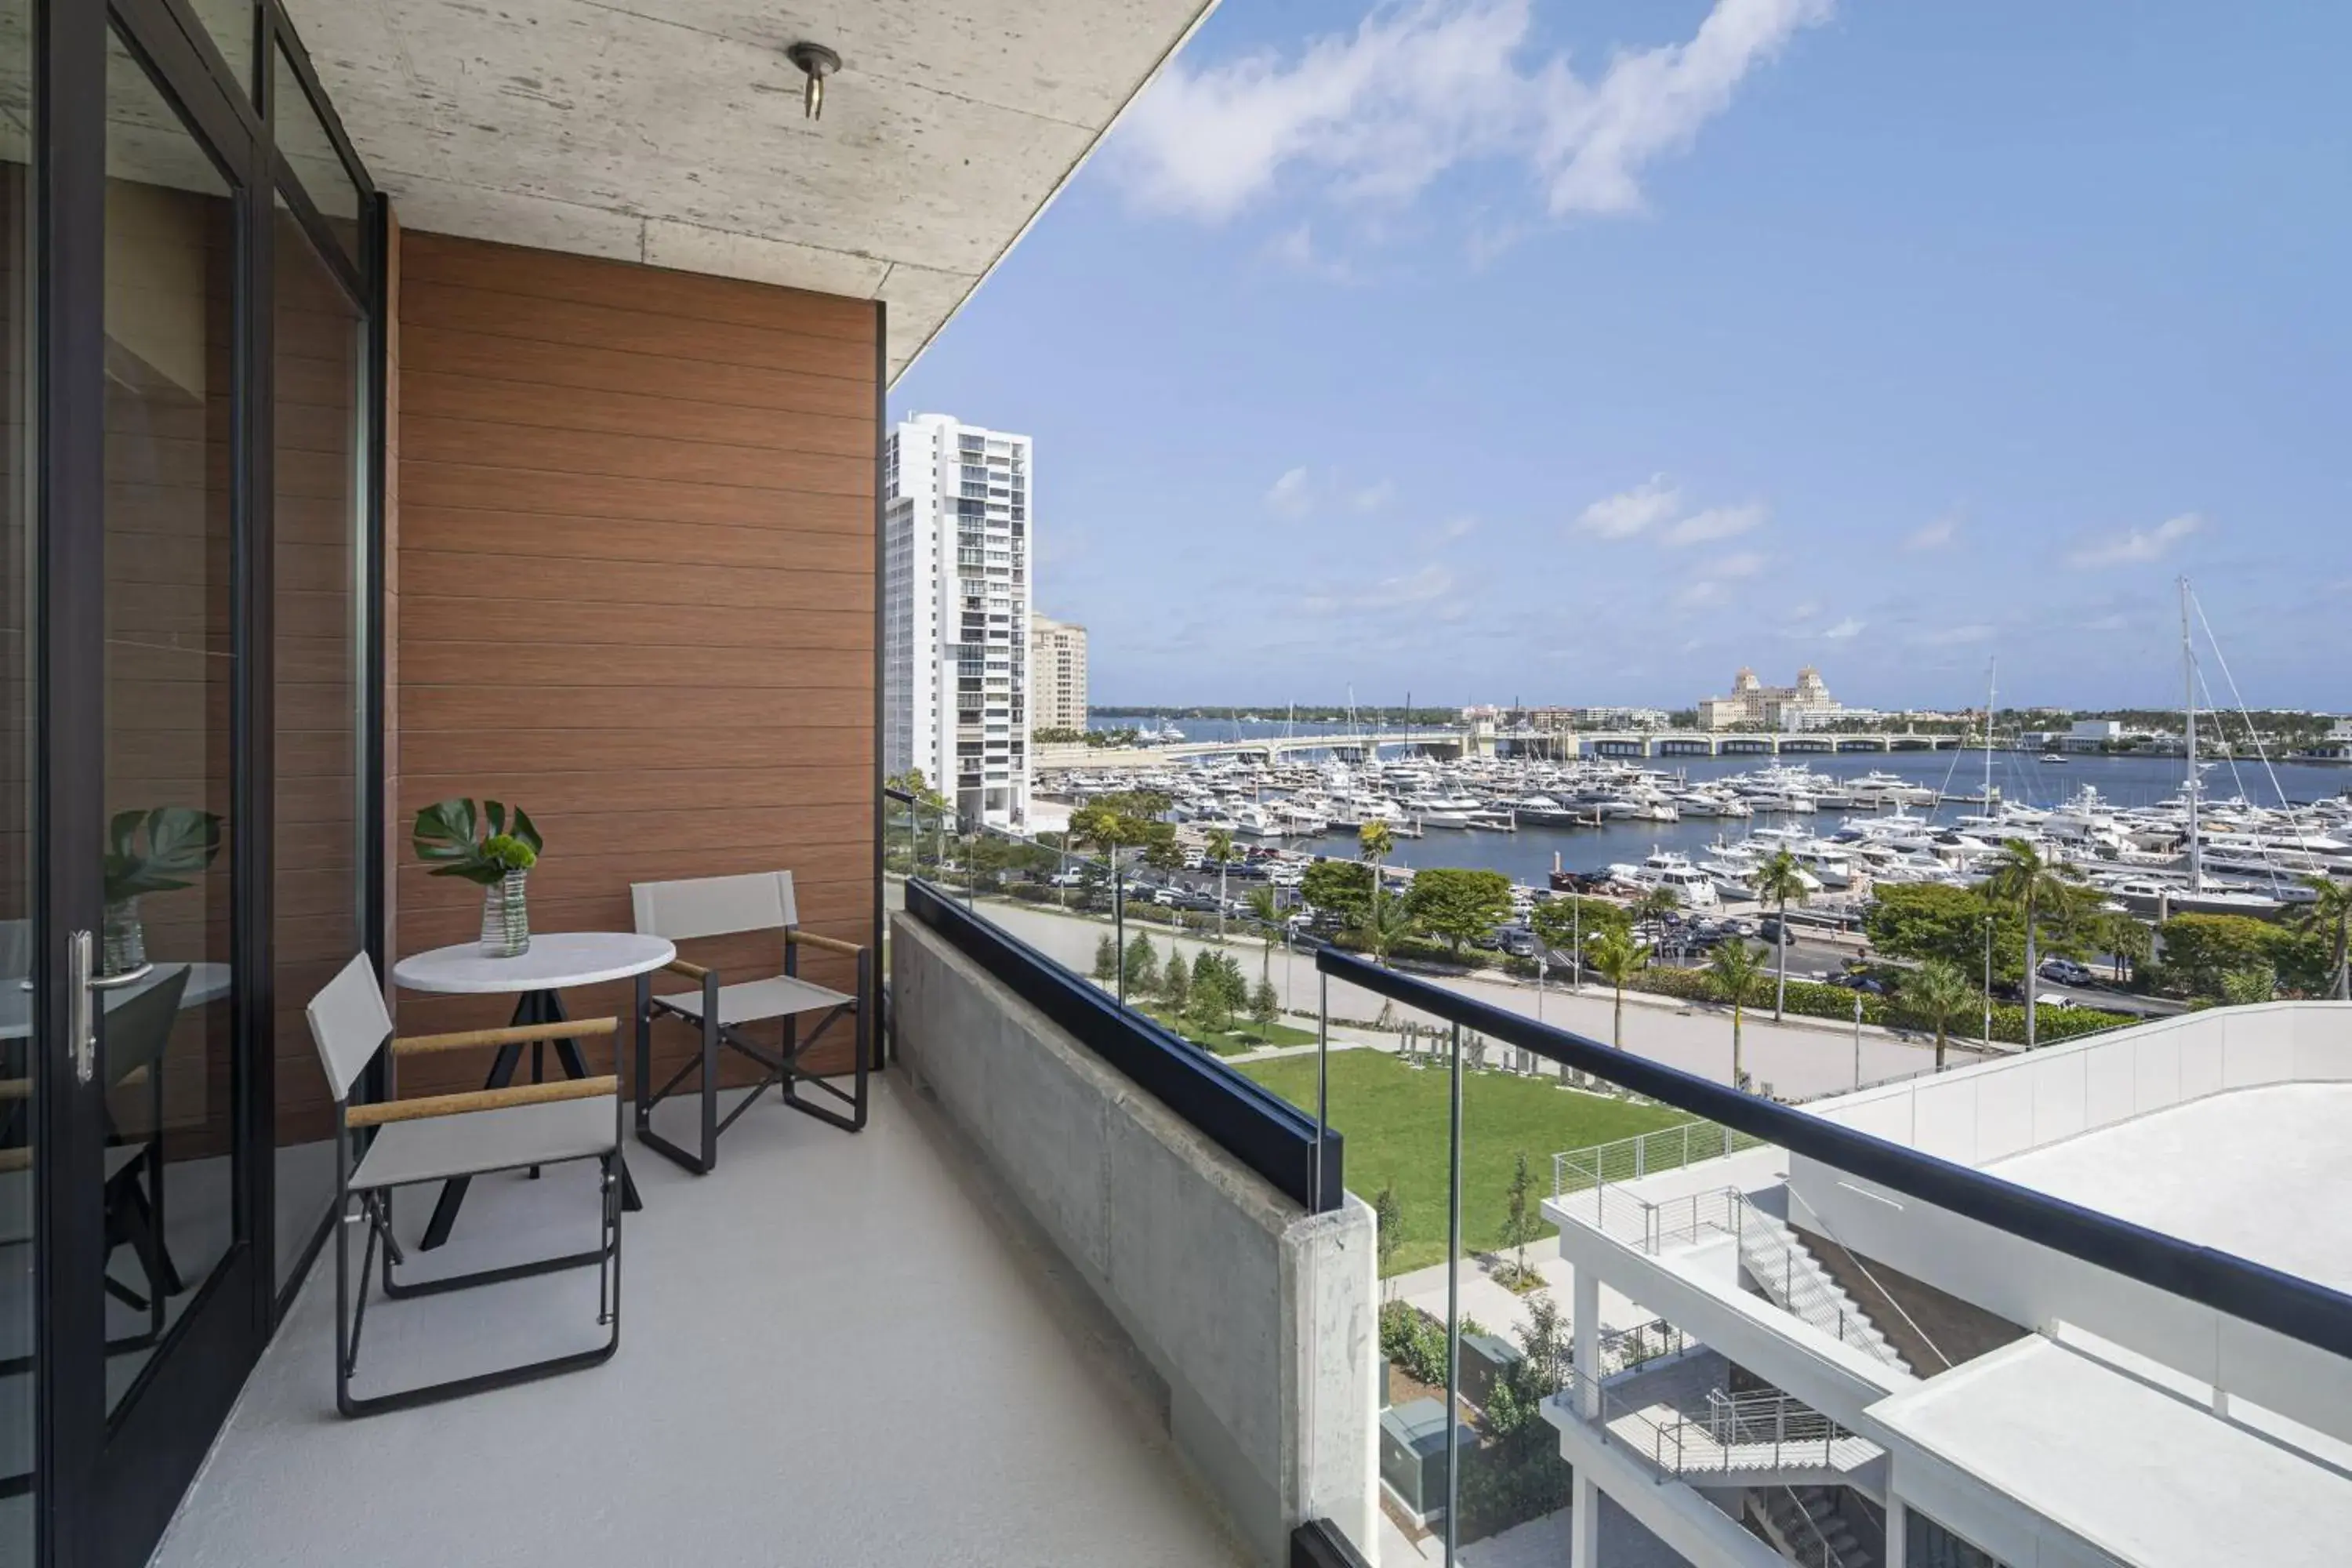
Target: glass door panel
166	1053
319	352
19	1061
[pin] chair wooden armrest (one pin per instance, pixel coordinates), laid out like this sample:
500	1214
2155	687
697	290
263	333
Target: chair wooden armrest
417	1109
691	970
829	943
515	1034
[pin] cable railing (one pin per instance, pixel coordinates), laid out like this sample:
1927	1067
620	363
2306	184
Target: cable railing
1630	1350
1756	1435
1630	1159
1793	1279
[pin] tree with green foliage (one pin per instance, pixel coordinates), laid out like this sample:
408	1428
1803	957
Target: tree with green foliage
1162	853
1106	958
1129	820
1656	904
2023	881
1938	992
1214	991
1389	1225
2200	950
1143	966
1616	957
912	783
1459	904
1265	1008
1739	976
1778	880
2121	935
1221	851
1928	920
1176	986
1384	929
2328	916
2244	987
1517	1475
1342	889
1562	923
1521	1223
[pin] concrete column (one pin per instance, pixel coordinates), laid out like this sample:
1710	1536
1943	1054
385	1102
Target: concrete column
1898	1519
1584	1525
1585	1323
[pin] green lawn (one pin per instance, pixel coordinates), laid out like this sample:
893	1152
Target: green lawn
1394	1118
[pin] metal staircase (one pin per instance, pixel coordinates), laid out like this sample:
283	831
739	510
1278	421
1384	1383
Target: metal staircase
1793	1279
1803	1524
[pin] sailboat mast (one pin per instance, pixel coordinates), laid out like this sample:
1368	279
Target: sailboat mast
1992	686
2189	708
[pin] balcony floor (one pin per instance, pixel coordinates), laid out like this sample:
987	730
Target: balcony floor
837	1351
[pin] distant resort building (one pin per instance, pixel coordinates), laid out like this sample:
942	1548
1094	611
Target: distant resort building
1752	704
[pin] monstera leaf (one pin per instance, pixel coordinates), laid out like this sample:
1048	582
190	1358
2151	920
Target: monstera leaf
445	838
181	841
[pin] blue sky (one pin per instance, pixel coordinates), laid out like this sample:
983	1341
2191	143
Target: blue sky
1585	351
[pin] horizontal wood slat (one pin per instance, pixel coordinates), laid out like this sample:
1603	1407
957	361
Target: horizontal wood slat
635	589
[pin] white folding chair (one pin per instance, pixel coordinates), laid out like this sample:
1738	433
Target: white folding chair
442	1137
730	906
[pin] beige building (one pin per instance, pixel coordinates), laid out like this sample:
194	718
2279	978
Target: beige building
1753	704
1058	674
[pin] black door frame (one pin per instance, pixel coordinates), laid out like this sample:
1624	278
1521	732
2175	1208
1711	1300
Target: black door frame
108	1485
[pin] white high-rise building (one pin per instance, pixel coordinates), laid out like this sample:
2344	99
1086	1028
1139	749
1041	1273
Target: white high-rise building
955	674
1058	671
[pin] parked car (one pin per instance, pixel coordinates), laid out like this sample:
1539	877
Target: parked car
1073	877
2065	971
1168	898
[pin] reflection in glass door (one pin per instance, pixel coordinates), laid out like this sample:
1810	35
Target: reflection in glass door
166	1059
19	1062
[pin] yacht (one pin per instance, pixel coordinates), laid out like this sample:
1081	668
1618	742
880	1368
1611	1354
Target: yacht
1670	869
1256	821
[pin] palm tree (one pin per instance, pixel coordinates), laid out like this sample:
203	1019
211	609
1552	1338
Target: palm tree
1221	845
2329	914
1268	916
2024	882
1938	992
1616	957
1384	926
1373	842
1741	977
1778	880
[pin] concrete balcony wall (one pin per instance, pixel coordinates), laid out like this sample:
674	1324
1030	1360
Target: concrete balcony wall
1260	1317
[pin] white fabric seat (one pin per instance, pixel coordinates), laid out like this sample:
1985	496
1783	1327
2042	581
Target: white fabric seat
749	1001
437	1147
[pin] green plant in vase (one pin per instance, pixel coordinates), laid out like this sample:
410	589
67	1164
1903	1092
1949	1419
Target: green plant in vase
499	861
179	842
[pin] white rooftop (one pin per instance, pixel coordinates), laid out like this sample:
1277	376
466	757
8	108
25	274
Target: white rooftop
2263	1173
2154	1479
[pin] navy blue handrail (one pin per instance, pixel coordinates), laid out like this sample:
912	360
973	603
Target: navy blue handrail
1256	1126
2268	1298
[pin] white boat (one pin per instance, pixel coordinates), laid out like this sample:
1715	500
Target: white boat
1256	821
1694	888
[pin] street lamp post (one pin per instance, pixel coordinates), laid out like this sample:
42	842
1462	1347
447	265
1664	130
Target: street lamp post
1857	1039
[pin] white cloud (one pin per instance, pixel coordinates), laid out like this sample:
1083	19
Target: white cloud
1745	564
1295	248
1456	528
1954	636
1422	87
1845	630
1425	585
1707	591
2137	544
1373	497
1937	535
1291	495
1628	513
1716	522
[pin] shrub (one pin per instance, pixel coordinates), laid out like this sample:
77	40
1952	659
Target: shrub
1415	1341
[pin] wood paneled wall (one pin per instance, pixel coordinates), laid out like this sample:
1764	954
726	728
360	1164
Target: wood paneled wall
635	590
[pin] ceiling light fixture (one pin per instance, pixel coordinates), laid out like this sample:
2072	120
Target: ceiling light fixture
818	62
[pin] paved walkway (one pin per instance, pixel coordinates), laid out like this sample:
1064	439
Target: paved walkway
1798	1058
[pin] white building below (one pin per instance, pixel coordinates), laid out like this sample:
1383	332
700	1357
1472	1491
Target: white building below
1867	1378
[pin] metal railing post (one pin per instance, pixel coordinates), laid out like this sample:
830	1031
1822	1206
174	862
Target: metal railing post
1453	1306
1118	924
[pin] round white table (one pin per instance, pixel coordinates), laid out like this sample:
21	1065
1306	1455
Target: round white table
554	961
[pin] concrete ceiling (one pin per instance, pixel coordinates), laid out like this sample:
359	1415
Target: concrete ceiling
670	131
